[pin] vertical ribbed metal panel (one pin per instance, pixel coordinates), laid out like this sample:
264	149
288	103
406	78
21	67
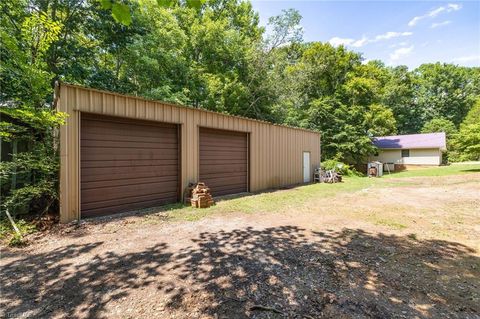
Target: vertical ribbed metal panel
275	152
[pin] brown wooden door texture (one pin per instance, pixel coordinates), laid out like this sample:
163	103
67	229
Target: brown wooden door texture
224	161
127	164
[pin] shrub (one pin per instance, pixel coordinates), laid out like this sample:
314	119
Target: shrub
8	234
340	167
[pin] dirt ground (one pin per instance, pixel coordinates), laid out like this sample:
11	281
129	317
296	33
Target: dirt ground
407	250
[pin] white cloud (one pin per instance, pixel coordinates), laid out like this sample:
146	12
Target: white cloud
468	58
440	24
454	6
435	12
336	41
360	43
390	35
401	53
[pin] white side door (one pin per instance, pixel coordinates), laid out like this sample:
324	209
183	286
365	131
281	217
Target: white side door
306	167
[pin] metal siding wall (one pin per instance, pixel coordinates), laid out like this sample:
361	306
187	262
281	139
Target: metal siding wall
275	151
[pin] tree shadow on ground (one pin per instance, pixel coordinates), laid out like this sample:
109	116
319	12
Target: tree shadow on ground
71	282
254	273
349	274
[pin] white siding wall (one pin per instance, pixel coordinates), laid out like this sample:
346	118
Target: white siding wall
424	157
417	157
388	156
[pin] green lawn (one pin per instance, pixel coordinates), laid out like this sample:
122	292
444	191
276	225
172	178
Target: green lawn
284	199
281	200
437	171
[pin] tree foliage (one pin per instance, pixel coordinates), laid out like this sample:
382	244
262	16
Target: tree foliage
440	125
466	143
26	118
446	90
212	54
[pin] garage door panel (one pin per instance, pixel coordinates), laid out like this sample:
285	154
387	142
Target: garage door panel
129	155
123	138
128	200
214	162
230	141
112	193
113	207
224	168
226	180
128	144
142	151
224	161
221	134
230	189
224	157
126	134
106	173
115	127
95	184
127	164
218	148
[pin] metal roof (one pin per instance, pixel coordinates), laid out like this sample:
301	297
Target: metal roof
411	141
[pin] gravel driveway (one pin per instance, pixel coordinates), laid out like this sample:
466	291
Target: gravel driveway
346	260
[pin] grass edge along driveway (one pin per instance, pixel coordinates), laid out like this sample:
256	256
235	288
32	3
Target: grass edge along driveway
284	199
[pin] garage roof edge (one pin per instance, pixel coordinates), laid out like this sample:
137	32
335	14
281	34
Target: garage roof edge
59	83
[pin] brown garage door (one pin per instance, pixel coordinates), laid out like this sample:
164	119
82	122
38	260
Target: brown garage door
127	165
224	161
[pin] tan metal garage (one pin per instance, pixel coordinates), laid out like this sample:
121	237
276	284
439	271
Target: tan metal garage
224	161
127	164
232	154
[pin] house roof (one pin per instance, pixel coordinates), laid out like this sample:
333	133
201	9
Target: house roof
411	141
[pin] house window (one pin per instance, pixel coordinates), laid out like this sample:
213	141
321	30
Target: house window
405	153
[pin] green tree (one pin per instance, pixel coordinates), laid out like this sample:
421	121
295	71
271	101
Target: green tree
445	90
446	126
379	121
343	133
398	94
440	125
365	83
466	143
473	116
26	117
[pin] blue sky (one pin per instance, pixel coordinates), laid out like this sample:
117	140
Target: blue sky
396	32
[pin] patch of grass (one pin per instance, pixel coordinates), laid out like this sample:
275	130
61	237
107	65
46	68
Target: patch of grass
285	199
412	236
390	223
273	201
454	169
282	199
8	234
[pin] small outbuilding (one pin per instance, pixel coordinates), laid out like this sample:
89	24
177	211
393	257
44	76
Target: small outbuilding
402	151
121	153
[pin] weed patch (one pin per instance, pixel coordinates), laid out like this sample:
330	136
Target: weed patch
8	234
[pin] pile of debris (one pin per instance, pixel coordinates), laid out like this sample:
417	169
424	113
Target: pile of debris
201	197
327	176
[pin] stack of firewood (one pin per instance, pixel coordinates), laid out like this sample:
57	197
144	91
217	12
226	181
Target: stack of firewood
201	197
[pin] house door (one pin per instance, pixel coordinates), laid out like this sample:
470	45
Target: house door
306	167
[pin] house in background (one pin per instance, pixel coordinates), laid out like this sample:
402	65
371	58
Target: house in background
401	151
